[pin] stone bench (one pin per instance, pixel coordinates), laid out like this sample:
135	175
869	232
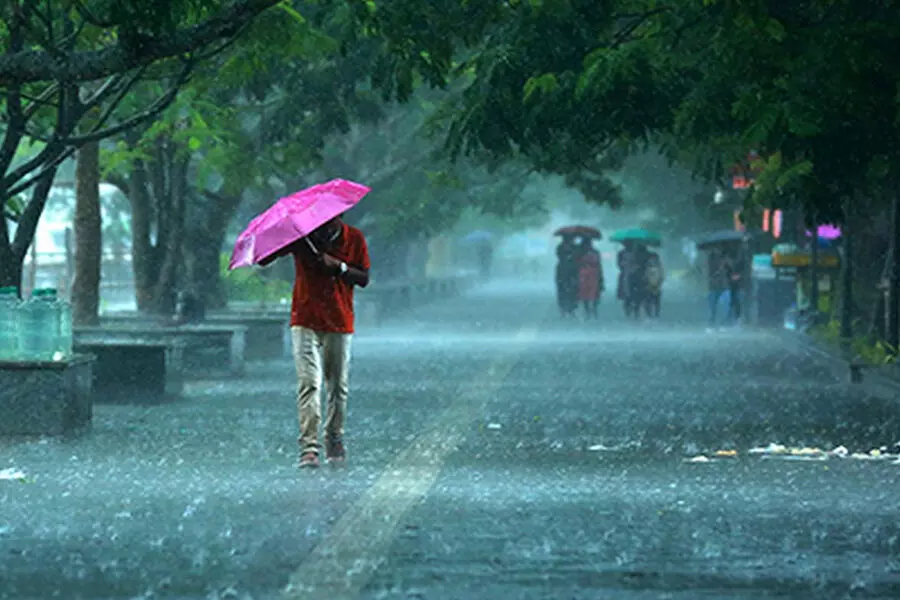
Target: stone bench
135	371
46	398
267	335
208	350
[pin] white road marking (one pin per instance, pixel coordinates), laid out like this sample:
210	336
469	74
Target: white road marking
341	566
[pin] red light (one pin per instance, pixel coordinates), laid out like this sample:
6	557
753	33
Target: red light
739	182
767	215
776	225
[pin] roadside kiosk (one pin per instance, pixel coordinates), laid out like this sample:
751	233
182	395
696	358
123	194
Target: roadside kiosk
797	264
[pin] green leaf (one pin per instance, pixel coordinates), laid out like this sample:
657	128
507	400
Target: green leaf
797	171
291	11
545	83
194	144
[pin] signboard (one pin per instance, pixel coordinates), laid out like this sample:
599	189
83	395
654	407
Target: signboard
743	174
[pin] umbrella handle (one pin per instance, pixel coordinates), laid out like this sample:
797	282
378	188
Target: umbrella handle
311	246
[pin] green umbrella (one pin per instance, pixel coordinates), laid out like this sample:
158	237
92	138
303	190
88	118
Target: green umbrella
642	236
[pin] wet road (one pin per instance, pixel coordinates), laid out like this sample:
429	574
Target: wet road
495	452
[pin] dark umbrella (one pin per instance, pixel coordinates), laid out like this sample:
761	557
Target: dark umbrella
579	230
721	238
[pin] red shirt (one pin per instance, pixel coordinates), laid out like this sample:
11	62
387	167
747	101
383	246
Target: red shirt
324	302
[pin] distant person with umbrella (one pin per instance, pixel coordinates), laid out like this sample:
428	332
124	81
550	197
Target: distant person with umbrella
738	283
719	271
331	258
568	254
654	276
727	273
632	261
484	251
590	277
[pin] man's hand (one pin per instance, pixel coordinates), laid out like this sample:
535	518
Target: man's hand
331	264
352	275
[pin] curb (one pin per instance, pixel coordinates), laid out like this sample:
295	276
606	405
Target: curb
879	382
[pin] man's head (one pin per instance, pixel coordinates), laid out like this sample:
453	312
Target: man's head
326	233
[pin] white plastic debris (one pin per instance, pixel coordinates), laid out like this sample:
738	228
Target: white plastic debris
12	474
699	459
494	426
770	449
841	451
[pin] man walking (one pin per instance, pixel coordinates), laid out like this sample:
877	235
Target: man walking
328	264
718	282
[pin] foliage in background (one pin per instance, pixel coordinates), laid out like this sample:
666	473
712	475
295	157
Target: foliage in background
66	71
877	353
252	285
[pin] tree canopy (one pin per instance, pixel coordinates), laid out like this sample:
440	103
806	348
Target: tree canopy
71	68
563	82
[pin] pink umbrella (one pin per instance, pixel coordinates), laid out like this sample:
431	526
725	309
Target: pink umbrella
827	232
294	217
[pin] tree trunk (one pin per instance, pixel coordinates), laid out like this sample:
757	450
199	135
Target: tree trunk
144	257
207	225
893	310
846	331
171	238
88	237
157	190
814	270
10	268
13	252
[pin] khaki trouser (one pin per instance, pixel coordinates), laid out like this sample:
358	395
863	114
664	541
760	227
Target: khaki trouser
321	356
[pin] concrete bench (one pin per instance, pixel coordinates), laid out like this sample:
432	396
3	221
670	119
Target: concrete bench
133	371
46	398
208	350
267	336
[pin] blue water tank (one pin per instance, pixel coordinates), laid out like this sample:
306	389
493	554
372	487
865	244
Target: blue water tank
9	334
39	326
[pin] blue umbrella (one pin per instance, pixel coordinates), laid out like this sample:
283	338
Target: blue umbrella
478	236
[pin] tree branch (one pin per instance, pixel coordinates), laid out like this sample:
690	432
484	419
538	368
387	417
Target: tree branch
40	101
28	221
158	106
89	17
31	66
72	143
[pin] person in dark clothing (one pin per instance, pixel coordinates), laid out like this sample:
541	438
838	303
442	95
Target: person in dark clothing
636	278
654	276
626	260
567	276
737	283
485	252
719	270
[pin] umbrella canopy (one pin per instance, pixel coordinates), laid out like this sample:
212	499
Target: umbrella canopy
478	236
294	217
579	230
721	237
642	236
826	232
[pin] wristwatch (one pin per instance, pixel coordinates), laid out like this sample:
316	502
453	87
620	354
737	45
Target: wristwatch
343	268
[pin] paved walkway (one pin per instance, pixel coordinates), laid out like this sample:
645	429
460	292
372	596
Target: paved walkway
495	452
